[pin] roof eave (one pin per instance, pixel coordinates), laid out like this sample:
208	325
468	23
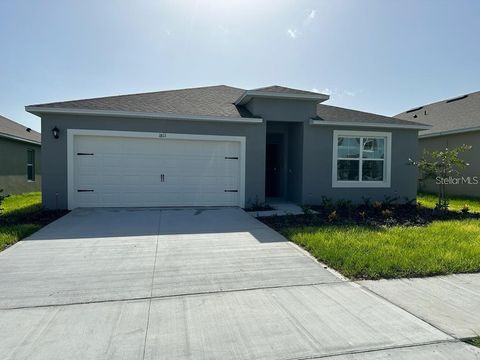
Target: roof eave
39	110
249	94
370	124
449	132
18	138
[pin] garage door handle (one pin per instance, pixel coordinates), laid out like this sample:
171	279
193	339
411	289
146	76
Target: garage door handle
162	178
231	158
84	153
231	190
81	190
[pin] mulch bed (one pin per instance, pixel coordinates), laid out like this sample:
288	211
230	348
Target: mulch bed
367	215
41	217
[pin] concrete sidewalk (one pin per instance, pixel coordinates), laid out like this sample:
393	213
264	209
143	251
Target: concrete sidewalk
192	284
450	303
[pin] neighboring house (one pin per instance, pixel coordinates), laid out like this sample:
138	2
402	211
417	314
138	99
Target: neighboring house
221	146
454	122
19	158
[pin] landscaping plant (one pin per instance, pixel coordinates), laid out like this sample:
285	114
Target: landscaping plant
442	165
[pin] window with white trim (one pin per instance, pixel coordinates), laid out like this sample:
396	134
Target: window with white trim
361	159
31	165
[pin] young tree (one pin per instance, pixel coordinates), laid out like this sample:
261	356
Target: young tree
441	165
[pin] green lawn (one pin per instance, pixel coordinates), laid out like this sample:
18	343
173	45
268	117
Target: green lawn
362	252
21	216
474	341
456	203
21	204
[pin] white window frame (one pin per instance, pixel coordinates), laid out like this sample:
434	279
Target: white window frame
360	183
31	165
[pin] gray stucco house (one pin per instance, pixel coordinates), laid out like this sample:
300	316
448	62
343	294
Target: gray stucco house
19	158
454	122
220	146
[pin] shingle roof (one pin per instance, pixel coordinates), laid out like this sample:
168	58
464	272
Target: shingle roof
460	113
11	129
211	101
338	114
284	90
204	101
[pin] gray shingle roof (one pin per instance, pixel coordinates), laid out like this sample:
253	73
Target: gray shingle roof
11	129
203	101
211	101
338	114
285	90
462	112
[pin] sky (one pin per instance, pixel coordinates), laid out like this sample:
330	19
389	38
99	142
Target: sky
380	56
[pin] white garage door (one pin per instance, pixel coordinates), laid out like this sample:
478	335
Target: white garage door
112	171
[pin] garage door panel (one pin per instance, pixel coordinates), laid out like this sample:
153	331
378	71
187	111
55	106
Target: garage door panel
155	172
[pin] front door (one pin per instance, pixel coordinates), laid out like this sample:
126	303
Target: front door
273	167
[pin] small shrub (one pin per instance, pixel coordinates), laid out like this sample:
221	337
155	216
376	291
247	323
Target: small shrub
326	203
442	206
419	205
465	209
257	205
387	214
362	215
377	205
332	216
389	200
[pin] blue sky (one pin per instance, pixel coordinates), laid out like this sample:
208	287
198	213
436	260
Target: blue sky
373	55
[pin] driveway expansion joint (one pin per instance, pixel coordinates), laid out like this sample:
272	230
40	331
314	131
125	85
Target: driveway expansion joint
151	285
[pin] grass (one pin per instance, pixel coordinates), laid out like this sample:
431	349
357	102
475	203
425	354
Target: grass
21	204
456	203
10	234
363	252
474	341
21	216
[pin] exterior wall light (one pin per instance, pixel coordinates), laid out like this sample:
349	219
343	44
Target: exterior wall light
55	132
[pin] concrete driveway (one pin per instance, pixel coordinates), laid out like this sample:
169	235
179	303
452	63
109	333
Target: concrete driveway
192	284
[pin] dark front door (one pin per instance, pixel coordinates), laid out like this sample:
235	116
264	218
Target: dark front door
273	166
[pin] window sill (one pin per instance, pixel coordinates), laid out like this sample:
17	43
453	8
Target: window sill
353	184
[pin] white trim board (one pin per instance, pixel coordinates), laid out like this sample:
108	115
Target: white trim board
139	114
71	133
386	183
375	125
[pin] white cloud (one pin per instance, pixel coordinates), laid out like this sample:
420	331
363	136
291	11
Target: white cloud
335	93
292	33
310	17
